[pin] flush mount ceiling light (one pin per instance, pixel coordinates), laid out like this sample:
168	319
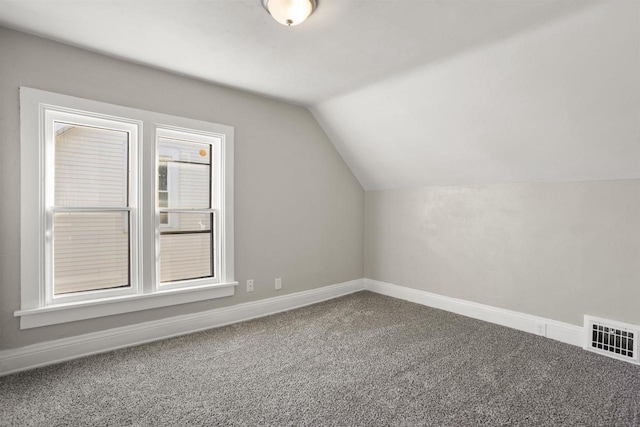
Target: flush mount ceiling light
290	12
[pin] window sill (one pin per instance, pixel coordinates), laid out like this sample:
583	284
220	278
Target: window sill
71	312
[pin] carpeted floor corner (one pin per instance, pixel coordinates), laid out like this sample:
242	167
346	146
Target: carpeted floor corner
359	360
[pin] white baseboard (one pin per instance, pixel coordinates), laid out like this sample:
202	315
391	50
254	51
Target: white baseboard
560	331
55	351
46	353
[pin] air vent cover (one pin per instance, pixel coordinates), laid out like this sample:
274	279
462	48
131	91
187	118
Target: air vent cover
611	338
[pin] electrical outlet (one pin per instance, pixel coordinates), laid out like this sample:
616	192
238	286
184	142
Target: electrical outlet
250	285
541	329
278	283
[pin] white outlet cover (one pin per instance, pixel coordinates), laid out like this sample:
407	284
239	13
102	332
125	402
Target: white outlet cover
278	282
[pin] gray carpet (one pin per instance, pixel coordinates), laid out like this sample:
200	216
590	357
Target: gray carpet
360	360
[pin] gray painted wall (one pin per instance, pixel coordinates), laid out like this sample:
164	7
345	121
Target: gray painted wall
298	208
558	250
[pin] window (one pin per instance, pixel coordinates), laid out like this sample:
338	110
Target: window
187	201
89	206
122	209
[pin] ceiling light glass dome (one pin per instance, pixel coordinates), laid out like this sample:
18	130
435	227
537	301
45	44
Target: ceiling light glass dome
290	12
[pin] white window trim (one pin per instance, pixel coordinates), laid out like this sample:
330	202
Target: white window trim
35	310
70	312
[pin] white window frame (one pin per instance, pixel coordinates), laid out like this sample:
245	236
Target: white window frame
40	308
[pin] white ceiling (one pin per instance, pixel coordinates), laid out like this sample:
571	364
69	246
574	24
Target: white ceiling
411	92
561	102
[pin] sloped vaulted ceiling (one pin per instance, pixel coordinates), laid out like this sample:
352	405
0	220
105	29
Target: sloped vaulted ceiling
560	102
411	93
